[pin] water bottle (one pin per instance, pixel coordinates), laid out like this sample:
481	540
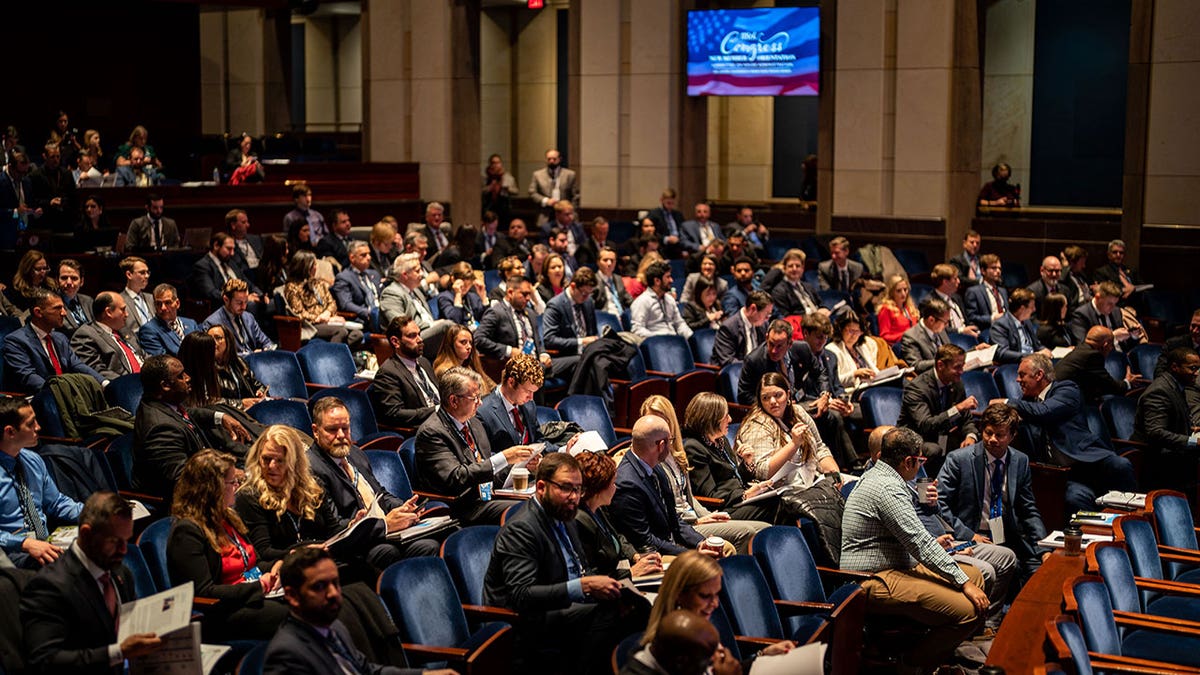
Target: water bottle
216	176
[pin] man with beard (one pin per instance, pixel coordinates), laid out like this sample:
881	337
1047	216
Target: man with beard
404	392
70	611
537	569
312	640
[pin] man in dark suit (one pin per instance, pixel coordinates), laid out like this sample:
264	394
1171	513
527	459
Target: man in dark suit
247	336
1164	422
16	192
404	392
569	322
215	268
668	223
988	300
754	231
537	569
919	344
640	508
1117	272
1049	281
698	232
356	288
166	434
152	231
564	221
507	328
743	331
1191	340
78	305
164	333
818	388
508	411
970	269
454	457
1056	432
54	191
105	344
936	406
587	253
945	288
1085	367
345	475
513	243
248	247
792	295
559	242
610	294
743	284
839	273
1102	311
773	355
38	351
435	228
1015	333
991	477
336	244
313	641
70	611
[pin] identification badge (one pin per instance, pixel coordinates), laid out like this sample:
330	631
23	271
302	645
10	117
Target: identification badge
529	347
252	574
996	525
485	492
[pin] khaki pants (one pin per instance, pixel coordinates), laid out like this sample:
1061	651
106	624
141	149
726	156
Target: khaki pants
929	600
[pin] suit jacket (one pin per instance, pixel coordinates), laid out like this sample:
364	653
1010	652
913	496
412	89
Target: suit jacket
923	410
963	266
1163	420
730	342
1112	272
341	492
506	246
587	251
138	235
207	281
350	295
501	432
527	572
496	331
8	204
85	306
445	465
956	300
558	323
1085	367
659	216
298	649
1040	291
829	277
396	299
256	339
239	258
603	546
541	187
1176	342
156	337
163	441
646	517
814	374
28	366
472	309
917	350
95	345
397	397
1085	316
1005	335
960	497
786	301
600	295
1059	421
979	310
134	322
331	246
756	365
691	233
715	473
67	626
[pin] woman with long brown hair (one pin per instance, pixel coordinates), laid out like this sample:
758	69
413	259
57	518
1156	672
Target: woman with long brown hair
458	349
33	271
308	297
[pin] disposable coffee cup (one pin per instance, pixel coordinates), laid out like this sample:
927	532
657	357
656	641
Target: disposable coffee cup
715	543
520	478
922	487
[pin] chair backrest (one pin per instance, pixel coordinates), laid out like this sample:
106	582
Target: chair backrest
914	262
747	598
637	368
362	415
143	580
282	411
1117	572
1143	358
408	455
788	566
608	319
702	342
468	553
668	354
254	661
119	454
1096	615
420	595
626	648
434	309
963	340
1137	534
1006	381
979	383
153	543
327	363
881	405
918	293
1172	519
727	380
125	391
1069	632
1119	413
546	415
389	471
1116	364
280	371
1095	422
45	408
720	621
491	279
512	510
590	413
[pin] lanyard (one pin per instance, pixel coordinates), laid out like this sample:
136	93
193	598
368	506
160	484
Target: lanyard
241	549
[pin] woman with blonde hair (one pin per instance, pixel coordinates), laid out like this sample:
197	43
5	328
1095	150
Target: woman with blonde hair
636	285
676	466
458	349
898	313
208	546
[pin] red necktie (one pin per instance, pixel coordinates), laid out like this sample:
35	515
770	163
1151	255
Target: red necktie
471	443
999	302
110	599
53	356
134	365
516	415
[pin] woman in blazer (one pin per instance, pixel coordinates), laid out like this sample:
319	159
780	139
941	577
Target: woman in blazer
603	546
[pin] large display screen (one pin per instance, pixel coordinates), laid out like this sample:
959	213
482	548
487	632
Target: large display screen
772	51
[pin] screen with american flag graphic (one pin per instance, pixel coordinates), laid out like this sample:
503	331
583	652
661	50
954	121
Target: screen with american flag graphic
772	51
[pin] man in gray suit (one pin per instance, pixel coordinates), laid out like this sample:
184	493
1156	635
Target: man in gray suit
551	184
919	344
152	231
403	297
78	305
106	344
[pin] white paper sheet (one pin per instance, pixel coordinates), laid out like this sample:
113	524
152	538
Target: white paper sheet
160	613
980	358
589	441
805	660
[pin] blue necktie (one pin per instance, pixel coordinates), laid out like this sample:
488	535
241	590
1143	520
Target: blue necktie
574	568
997	506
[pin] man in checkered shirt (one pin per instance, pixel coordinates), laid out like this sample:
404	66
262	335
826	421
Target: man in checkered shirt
913	576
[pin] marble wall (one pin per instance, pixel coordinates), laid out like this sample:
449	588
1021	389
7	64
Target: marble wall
1008	91
1172	179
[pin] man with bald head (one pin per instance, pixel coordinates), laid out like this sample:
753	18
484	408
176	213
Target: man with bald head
1085	367
641	508
105	343
685	643
1049	281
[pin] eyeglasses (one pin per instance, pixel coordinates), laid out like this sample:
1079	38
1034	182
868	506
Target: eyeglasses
921	459
666	440
569	489
236	482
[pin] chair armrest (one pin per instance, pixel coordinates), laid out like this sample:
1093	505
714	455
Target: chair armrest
434	496
452	653
1148	622
710	501
1109	663
200	601
790	607
490	613
360	385
61	440
1166	621
849	574
750	645
145	499
391	443
1188	555
314	388
707	366
662	374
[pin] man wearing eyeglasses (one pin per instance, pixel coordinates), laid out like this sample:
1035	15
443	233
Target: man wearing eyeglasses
538	569
454	457
1164	420
912	575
